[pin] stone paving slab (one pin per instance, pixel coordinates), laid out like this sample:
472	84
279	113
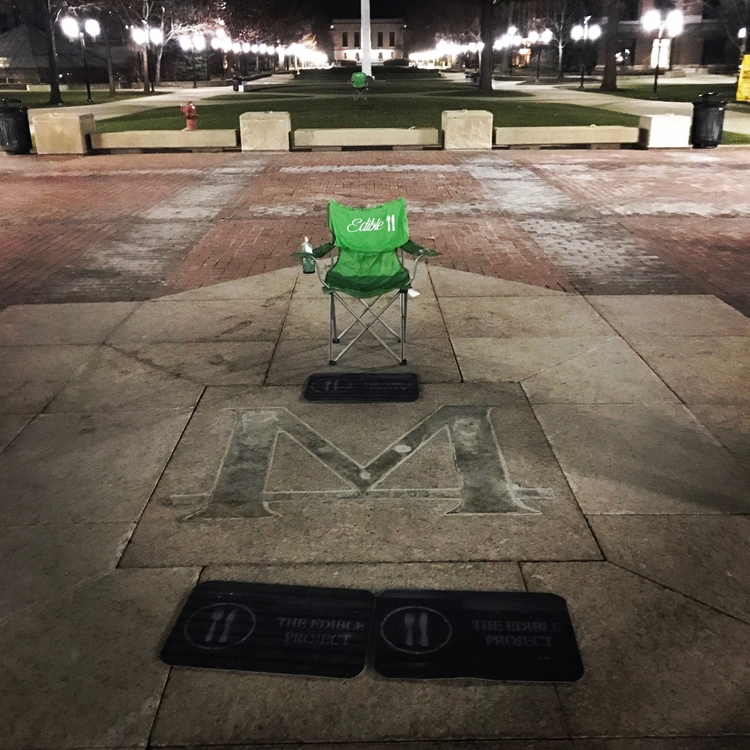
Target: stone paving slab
66	555
11	425
82	670
700	369
32	375
609	373
650	743
113	381
704	558
310	513
501	317
86	467
248	708
222	363
657	664
648	498
632	458
308	318
684	315
67	324
730	425
203	321
452	283
494	360
295	359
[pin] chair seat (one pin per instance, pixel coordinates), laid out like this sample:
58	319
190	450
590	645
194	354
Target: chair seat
366	286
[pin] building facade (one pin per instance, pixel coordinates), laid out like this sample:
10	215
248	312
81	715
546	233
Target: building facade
386	39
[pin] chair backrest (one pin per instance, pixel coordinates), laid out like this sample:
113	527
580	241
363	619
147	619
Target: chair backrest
359	80
374	230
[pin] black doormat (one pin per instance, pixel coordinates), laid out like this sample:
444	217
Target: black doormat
259	627
362	387
495	636
409	634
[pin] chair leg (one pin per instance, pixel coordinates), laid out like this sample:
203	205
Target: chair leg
332	332
335	338
404	297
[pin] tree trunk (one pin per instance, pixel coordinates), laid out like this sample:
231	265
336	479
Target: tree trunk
487	60
144	65
110	71
157	65
560	48
50	14
611	45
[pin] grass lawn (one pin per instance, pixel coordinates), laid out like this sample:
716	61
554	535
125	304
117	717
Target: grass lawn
390	104
34	99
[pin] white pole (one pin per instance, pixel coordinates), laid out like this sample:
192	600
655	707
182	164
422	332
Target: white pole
365	38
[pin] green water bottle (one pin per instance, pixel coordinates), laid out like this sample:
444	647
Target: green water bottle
308	259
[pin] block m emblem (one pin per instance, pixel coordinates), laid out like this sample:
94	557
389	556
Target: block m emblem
241	489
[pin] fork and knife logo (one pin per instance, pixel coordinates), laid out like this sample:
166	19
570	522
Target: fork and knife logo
416	630
220	625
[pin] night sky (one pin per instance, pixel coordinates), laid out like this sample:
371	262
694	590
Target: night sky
378	8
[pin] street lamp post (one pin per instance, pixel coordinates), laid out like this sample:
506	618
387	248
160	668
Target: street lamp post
539	40
147	37
661	49
510	39
73	30
193	44
583	33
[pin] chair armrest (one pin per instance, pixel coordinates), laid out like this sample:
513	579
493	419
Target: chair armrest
322	250
417	250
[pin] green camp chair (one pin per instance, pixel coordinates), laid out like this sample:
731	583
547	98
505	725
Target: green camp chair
367	256
360	84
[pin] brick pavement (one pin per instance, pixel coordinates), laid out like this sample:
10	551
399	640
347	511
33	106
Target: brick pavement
130	227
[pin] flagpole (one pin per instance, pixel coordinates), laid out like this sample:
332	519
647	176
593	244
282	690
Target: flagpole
365	38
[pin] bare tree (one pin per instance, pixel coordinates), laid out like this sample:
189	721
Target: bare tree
46	13
172	18
564	14
734	15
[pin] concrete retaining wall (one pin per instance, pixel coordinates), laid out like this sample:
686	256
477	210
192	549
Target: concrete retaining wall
364	137
164	139
62	133
578	135
265	131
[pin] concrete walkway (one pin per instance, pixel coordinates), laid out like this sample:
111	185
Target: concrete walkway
166	97
734	122
152	312
621	417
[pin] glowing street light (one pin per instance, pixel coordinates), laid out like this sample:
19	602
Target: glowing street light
539	39
583	33
193	44
73	30
672	23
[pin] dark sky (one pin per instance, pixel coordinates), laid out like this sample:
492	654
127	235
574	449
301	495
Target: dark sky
378	8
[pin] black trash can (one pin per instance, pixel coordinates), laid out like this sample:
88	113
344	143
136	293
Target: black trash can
236	82
708	121
15	134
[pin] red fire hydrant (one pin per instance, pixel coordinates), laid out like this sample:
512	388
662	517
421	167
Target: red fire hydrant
191	116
